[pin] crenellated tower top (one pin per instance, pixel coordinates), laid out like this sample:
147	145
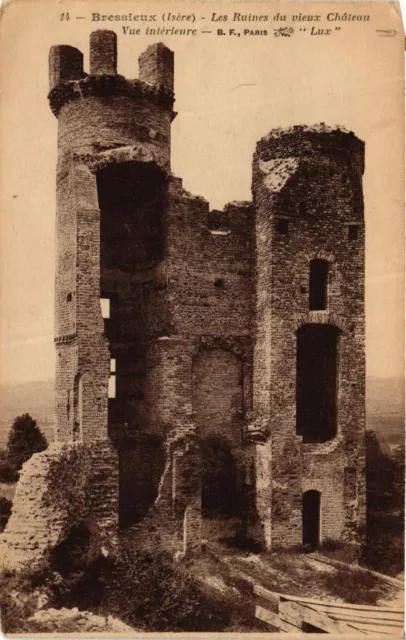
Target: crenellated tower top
68	81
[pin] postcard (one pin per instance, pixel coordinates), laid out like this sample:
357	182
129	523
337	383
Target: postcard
202	318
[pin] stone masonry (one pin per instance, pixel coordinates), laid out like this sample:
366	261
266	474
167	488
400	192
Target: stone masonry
213	361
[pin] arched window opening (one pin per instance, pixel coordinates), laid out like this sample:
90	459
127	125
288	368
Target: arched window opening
316	382
318	285
131	200
311	518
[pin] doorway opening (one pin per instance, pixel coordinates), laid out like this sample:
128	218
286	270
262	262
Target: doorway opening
219	481
311	518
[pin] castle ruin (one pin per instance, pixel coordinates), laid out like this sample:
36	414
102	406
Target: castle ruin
209	364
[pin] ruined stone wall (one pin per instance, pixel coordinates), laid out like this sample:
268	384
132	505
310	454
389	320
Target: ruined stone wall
205	278
308	193
66	485
208	262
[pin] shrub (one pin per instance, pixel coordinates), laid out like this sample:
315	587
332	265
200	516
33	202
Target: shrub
5	512
329	544
150	590
242	543
19	597
384	541
8	472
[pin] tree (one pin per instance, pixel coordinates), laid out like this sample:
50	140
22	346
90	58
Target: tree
25	438
379	467
5	512
8	473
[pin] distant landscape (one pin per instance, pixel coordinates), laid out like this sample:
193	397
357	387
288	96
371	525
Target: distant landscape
385	407
385	404
35	398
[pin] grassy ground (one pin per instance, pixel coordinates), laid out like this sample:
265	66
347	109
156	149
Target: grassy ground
211	591
298	574
294	572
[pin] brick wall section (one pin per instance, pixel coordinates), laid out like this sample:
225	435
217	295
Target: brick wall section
208	272
168	384
65	299
65	63
103	52
102	490
218	396
96	124
156	66
59	488
285	164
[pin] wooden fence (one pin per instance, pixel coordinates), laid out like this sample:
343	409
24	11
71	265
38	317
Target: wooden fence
292	613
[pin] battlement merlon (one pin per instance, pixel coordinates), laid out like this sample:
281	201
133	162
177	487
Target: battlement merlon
68	80
156	66
65	64
301	141
103	53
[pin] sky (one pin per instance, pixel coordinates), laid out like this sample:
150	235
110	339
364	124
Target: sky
230	91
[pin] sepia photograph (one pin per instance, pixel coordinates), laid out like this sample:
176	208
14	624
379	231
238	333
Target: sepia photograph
202	318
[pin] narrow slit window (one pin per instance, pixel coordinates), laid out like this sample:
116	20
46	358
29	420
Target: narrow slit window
302	208
318	285
352	232
112	379
282	226
105	307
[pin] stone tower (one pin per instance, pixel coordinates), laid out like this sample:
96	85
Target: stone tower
113	159
309	362
113	168
210	364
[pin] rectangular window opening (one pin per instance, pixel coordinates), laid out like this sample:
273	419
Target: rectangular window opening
352	232
318	277
105	307
112	387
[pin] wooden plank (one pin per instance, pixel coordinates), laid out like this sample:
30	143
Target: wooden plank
340	605
377	621
370	615
323	621
355	617
271	618
266	604
368	629
268	595
290	613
